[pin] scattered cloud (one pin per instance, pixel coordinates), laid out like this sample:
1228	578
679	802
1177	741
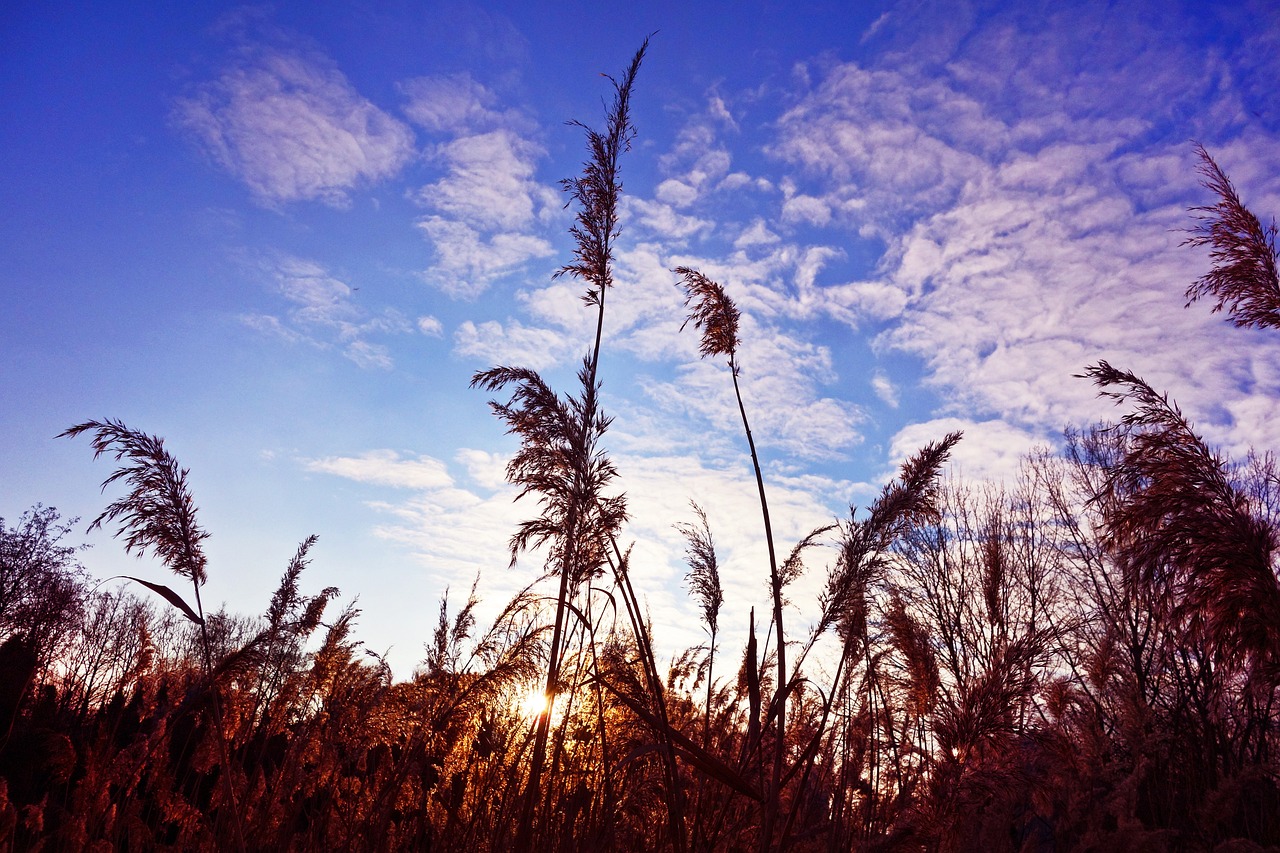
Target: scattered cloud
487	211
386	468
368	355
755	234
699	160
782	380
676	193
885	389
292	128
272	326
1026	236
489	181
467	260
875	27
323	313
493	343
990	450
664	221
454	104
883	144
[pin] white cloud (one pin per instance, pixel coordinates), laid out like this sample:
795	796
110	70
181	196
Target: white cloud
755	234
487	210
488	470
1023	284
781	378
885	389
452	531
320	297
513	344
664	221
323	313
698	161
430	326
467	261
368	355
489	182
857	301
676	193
293	129
738	180
451	104
386	468
874	27
806	208
990	450
883	142
269	325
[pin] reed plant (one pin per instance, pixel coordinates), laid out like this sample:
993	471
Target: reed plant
560	458
159	515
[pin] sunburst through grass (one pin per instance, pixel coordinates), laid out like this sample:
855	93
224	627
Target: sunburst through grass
534	703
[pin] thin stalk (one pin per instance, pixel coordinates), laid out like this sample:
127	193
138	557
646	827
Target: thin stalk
706	740
821	727
773	799
557	752
601	730
706	723
675	817
524	834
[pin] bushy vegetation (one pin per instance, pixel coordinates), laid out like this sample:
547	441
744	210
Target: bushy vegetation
1085	659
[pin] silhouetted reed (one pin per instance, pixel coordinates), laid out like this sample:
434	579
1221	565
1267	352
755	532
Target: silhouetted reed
1243	278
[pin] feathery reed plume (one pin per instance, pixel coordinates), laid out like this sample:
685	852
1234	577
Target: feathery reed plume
993	569
285	598
911	638
793	567
445	648
598	189
159	514
986	707
712	311
1186	525
704	568
907	501
751	674
910	500
704	583
559	461
1243	278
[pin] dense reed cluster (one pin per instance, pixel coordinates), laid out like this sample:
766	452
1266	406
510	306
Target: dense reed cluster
1085	659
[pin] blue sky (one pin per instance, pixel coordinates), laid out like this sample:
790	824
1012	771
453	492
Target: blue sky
285	237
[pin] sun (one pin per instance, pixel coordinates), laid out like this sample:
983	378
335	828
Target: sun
534	704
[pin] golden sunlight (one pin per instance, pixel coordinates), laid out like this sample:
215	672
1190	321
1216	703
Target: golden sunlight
534	704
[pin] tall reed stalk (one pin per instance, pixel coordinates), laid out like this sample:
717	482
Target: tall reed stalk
712	311
159	514
559	459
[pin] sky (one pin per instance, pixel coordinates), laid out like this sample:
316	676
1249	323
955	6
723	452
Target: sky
285	237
